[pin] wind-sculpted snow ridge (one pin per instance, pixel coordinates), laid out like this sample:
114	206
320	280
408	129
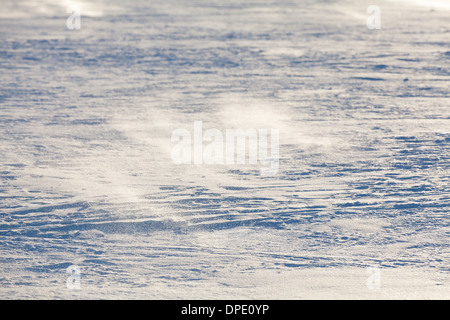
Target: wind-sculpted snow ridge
87	177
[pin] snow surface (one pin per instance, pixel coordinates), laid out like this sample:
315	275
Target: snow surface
86	177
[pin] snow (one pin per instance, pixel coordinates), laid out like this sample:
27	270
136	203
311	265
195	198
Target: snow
86	176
